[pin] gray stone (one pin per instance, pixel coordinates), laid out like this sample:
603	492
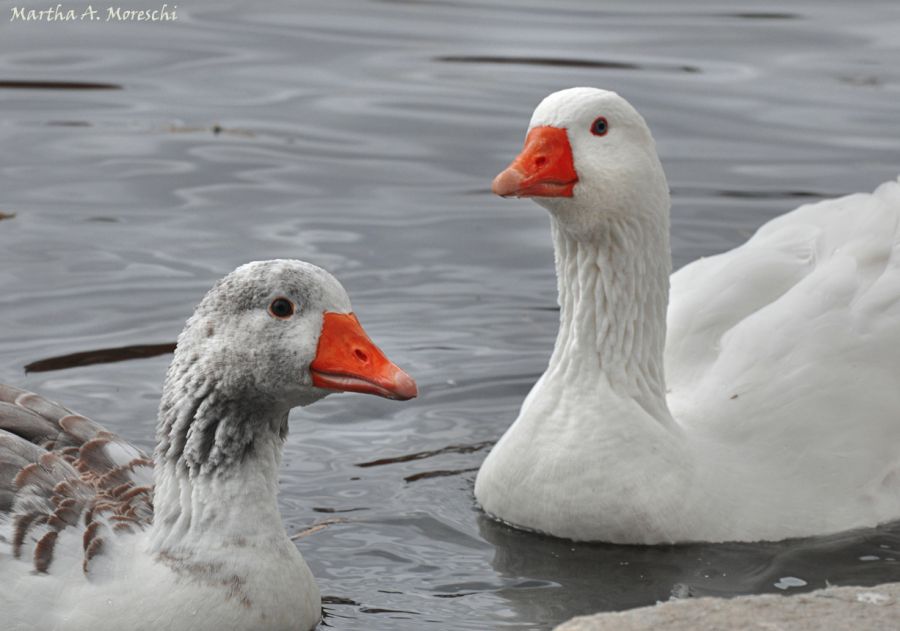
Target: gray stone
856	608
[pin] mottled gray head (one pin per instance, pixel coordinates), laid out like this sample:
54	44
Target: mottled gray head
283	332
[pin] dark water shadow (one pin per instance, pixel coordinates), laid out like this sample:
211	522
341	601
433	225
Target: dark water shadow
420	455
72	123
555	579
340	600
440	473
21	84
741	194
561	62
326	509
100	356
328	613
760	15
215	129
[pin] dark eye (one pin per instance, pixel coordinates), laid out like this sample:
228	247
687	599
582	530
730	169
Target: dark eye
281	308
600	126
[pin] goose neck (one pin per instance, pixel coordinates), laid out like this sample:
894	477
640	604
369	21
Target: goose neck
613	295
217	464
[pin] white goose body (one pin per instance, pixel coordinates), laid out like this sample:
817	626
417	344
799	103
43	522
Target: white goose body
772	407
93	536
258	583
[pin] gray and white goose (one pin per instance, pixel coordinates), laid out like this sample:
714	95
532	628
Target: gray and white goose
94	535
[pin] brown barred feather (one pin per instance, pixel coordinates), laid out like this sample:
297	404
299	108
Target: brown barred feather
56	473
38	404
89	516
119	490
66	502
22	524
119	475
134	491
64	489
14	448
65	516
27	424
92	456
35	474
94	548
69	453
57	466
8	473
90	533
9	394
43	551
81	427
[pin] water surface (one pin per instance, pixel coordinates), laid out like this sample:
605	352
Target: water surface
141	162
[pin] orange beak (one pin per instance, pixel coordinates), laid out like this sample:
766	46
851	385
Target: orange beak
544	168
347	360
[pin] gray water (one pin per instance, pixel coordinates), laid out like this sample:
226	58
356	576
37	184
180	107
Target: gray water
362	136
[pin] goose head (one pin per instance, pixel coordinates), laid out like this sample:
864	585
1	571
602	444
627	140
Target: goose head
588	157
283	332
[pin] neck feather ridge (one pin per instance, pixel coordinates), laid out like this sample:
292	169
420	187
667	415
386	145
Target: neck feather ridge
613	296
217	463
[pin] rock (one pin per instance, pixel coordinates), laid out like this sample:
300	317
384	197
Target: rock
857	608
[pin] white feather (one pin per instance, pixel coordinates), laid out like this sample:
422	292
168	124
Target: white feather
779	413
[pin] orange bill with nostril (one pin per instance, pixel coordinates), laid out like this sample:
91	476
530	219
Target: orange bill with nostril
545	168
348	361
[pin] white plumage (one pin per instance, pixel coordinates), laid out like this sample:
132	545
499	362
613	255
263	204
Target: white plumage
777	413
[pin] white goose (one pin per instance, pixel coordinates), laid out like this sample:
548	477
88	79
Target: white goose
773	408
88	541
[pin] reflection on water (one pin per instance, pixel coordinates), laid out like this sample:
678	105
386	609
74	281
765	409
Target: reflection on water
588	578
142	162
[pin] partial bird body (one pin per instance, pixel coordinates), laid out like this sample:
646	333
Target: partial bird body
788	349
759	399
79	529
96	536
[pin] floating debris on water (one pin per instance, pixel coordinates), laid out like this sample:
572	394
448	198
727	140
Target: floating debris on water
322	525
786	582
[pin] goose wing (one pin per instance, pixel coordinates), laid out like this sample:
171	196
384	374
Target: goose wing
60	471
793	339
